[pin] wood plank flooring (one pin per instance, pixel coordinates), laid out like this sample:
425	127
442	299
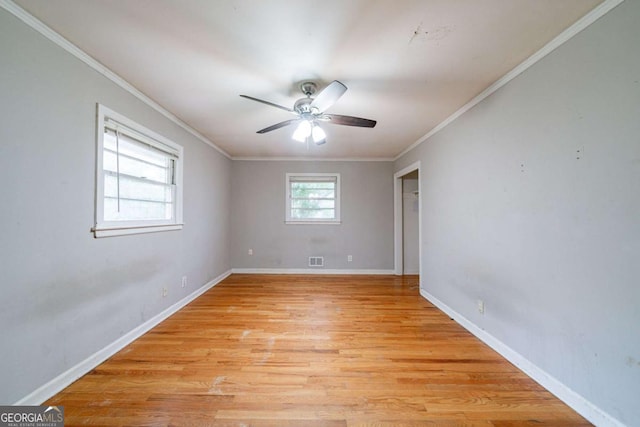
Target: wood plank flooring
310	351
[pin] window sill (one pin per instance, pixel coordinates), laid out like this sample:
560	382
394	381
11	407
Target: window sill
313	222
124	230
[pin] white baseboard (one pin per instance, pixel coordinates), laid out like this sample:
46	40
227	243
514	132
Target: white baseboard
309	271
63	380
581	405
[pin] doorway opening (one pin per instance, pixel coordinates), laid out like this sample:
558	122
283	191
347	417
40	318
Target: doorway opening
407	221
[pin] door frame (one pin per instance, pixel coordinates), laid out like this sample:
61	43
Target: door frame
398	237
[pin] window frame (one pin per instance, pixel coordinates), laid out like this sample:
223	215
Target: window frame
103	228
312	221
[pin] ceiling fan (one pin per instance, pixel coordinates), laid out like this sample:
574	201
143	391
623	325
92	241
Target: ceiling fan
310	113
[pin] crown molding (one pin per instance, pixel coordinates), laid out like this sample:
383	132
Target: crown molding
313	159
588	19
559	40
74	50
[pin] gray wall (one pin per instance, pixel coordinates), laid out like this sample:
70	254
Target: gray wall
66	295
531	202
258	206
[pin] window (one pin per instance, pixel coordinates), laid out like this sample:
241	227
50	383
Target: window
313	198
138	178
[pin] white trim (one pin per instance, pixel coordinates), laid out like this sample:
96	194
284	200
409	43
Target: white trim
559	40
123	231
581	405
311	221
308	271
55	37
63	380
293	222
313	159
398	236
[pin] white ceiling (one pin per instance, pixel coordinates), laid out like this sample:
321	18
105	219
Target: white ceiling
409	64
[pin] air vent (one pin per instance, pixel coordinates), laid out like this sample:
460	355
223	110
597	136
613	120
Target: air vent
316	261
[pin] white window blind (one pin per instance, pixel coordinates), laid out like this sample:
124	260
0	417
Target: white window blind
313	198
139	179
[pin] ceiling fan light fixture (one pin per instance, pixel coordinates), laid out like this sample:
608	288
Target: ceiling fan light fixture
302	132
311	110
318	135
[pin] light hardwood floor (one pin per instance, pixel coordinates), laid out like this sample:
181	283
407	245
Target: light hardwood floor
262	350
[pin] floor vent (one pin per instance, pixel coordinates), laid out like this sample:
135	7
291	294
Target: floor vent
316	261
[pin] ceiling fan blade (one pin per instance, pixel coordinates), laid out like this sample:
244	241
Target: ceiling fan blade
337	119
328	96
268	103
278	125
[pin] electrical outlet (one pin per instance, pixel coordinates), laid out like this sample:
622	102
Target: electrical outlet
184	281
250	251
481	306
349	258
165	292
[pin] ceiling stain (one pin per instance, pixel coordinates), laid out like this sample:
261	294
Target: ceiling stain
420	34
417	33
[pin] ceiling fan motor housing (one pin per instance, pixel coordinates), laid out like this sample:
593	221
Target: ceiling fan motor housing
303	105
